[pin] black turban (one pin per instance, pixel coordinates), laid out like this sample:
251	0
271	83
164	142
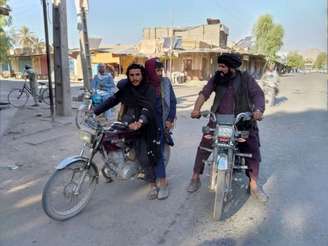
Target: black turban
230	60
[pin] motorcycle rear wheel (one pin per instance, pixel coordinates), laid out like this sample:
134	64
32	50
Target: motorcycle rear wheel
59	200
219	195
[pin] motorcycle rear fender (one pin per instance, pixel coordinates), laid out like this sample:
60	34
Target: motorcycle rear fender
70	160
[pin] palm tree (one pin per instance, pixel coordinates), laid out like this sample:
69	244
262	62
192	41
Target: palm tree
25	37
38	44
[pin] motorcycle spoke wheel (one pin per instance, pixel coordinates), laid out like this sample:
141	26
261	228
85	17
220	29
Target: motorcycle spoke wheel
60	198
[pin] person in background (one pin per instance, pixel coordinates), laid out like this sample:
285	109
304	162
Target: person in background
270	83
29	74
103	87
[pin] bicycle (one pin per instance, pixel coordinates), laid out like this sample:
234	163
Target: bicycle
18	97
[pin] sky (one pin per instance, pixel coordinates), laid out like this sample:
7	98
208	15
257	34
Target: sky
304	21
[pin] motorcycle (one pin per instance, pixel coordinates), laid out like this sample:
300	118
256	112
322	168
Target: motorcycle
71	186
225	160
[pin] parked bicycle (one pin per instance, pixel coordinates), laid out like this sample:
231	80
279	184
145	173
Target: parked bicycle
18	97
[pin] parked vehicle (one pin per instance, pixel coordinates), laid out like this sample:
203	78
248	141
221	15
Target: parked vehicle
18	97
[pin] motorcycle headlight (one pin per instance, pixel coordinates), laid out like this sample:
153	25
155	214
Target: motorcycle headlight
222	162
225	131
86	137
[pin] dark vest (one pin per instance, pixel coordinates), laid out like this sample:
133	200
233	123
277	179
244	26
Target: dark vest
240	85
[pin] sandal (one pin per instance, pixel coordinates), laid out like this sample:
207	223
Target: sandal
152	194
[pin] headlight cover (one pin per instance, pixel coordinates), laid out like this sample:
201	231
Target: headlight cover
86	137
225	131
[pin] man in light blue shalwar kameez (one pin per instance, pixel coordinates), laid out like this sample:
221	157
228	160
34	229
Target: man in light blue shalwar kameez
103	87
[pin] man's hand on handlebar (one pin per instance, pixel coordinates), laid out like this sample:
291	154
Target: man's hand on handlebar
135	125
195	114
257	115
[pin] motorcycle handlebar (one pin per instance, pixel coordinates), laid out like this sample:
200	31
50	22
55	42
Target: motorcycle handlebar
243	115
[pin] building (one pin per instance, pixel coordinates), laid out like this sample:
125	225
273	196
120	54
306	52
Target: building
213	33
118	56
191	51
19	57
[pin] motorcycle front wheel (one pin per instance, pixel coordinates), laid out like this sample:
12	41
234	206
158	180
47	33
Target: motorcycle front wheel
61	199
219	195
80	117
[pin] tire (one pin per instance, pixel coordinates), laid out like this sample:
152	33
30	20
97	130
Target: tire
80	116
18	97
62	184
219	195
45	96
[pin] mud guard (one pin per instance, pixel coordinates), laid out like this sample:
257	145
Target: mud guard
72	159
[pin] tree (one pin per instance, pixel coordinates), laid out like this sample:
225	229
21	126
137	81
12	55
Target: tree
5	41
25	37
38	44
321	60
295	60
268	37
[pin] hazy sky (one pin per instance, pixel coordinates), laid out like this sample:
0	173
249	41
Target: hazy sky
122	21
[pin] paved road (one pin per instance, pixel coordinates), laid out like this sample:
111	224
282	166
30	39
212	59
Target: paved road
294	172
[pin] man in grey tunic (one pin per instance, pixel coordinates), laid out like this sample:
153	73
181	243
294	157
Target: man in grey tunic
31	76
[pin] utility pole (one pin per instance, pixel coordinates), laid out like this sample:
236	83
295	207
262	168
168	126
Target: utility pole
45	20
62	80
172	38
82	8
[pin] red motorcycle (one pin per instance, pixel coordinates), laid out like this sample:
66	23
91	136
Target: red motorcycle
71	186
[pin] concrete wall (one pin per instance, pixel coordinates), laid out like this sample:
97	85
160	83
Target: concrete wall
207	33
203	65
216	34
157	33
107	57
254	65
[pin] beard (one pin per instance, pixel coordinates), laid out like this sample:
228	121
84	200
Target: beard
223	79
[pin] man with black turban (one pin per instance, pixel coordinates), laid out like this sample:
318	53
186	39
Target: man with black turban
235	92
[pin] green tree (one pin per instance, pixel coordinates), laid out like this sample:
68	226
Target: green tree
5	41
268	37
321	60
295	60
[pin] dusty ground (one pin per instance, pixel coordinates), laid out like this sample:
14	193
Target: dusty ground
294	173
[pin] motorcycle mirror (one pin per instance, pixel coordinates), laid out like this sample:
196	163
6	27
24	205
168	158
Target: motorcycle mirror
205	113
205	129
